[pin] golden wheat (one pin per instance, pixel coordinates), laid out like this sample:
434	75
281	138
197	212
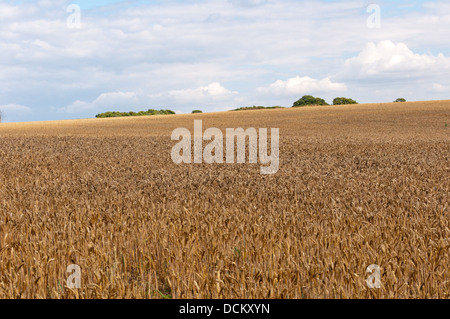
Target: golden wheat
357	185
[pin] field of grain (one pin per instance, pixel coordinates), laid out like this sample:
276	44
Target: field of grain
357	185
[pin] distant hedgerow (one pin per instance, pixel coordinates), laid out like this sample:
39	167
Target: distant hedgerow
141	113
248	108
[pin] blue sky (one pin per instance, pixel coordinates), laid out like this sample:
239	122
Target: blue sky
215	55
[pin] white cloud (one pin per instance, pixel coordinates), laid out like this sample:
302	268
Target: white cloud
16	109
388	58
302	85
111	101
156	49
442	6
8	12
212	92
208	96
116	97
15	113
439	88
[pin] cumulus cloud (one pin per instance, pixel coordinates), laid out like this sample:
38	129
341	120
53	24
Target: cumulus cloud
111	101
214	96
248	3
170	49
388	58
439	88
8	11
212	92
301	85
14	112
16	109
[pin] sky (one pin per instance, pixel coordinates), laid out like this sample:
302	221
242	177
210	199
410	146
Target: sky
74	59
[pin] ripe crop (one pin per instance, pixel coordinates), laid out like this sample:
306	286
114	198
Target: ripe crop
357	185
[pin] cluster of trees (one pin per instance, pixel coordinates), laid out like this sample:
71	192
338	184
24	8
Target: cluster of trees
311	100
141	113
343	101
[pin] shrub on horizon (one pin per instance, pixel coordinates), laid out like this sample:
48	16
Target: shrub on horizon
343	101
309	100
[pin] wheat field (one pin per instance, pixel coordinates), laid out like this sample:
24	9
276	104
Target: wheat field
357	185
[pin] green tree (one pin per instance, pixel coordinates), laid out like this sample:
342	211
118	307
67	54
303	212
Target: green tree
197	112
400	100
343	101
309	100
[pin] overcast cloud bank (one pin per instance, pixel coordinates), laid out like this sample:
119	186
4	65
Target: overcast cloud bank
216	55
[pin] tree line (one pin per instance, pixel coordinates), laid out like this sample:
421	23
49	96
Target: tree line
140	113
311	100
306	100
